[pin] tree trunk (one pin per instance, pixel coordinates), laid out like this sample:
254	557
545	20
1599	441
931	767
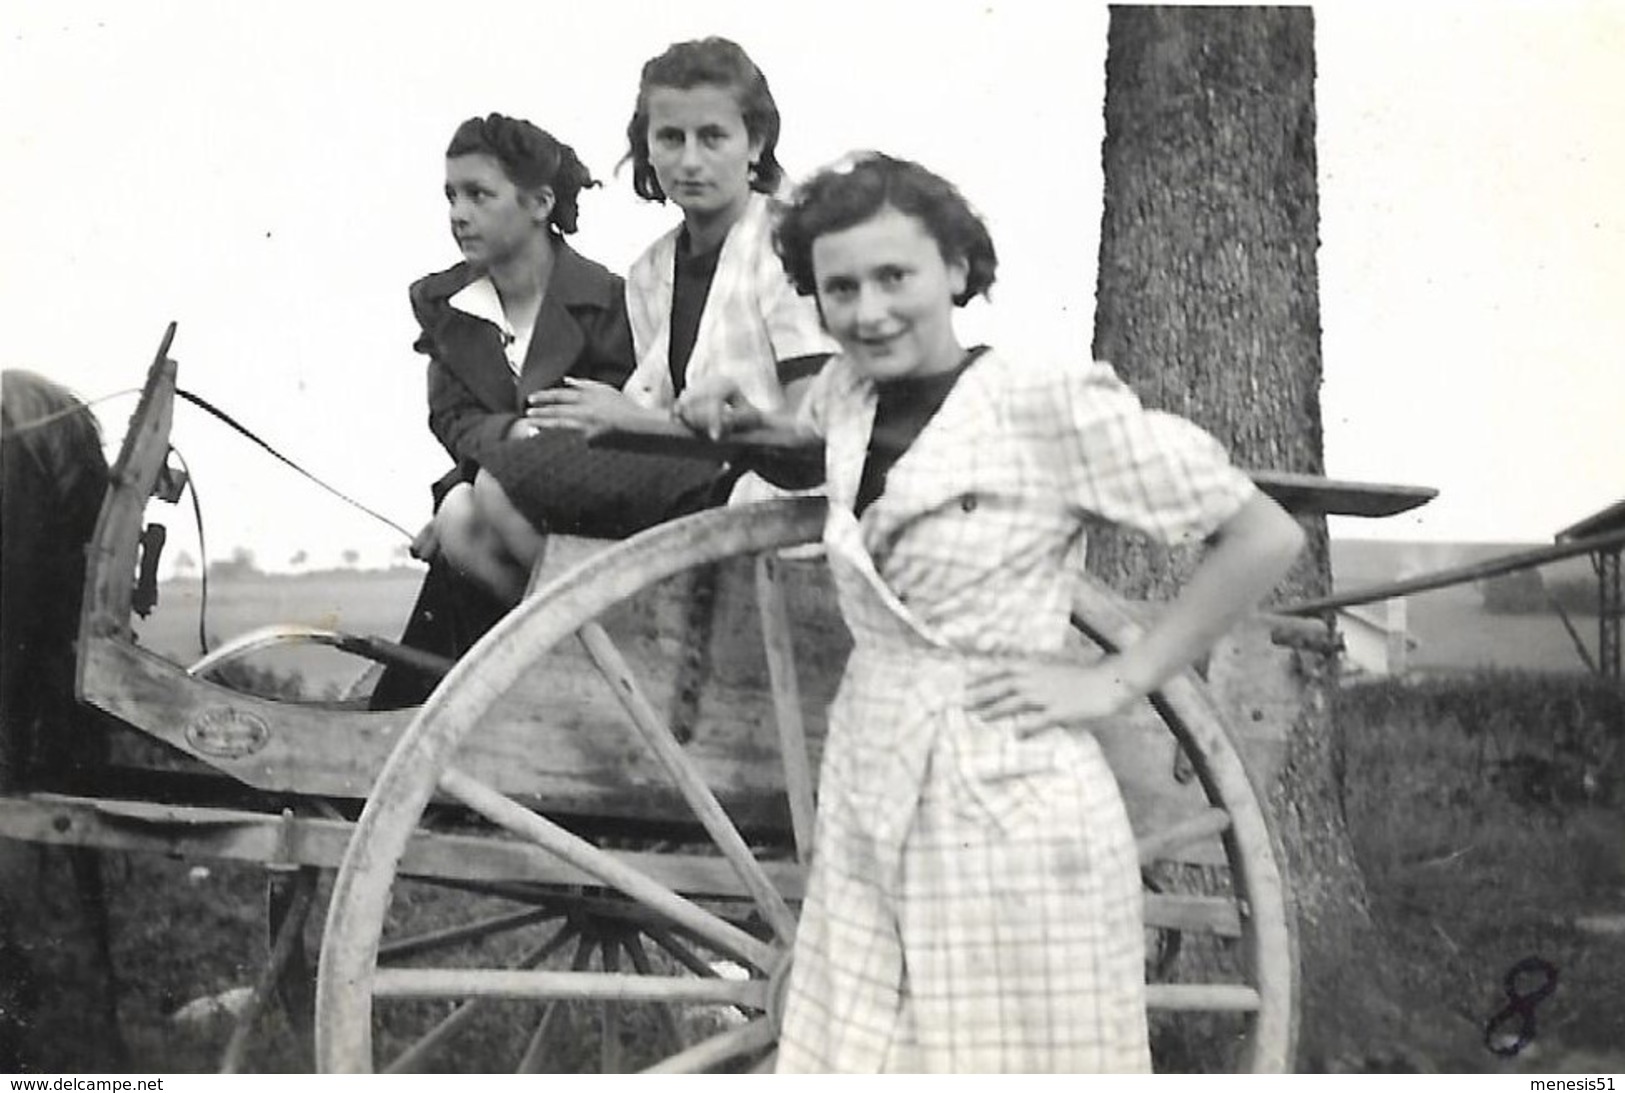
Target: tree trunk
1208	305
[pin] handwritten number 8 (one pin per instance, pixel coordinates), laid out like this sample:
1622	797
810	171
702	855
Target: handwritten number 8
1520	1006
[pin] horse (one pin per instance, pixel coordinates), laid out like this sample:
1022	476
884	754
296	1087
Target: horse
53	476
52	479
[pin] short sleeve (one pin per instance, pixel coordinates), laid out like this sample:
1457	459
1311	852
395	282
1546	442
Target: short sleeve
793	327
1148	470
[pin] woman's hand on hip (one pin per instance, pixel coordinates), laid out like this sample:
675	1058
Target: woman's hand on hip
1047	695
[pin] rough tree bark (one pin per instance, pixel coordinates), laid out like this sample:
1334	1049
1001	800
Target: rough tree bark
1208	305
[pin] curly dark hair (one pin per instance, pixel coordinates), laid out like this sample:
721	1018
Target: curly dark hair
855	188
707	62
531	157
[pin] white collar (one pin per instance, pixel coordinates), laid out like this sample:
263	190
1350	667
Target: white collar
479	298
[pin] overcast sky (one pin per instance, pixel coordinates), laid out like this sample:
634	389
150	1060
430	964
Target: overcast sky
268	174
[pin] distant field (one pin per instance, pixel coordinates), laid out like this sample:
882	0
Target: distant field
363	602
1364	561
1453	630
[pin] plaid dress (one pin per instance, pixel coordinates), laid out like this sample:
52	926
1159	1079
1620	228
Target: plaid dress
974	902
752	319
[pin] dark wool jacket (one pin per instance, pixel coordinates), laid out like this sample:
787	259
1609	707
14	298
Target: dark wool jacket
581	331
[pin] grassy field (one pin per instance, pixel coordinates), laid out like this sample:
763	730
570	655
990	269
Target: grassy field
1479	856
375	602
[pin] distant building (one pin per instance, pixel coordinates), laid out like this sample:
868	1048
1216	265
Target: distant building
1376	639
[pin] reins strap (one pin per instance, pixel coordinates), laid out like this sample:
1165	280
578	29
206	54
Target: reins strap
209	408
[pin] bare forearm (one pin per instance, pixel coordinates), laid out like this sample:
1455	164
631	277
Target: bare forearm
786	469
1251	554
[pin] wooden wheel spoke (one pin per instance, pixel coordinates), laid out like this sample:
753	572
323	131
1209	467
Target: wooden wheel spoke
1215	997
585	986
639	957
1187	832
532	1061
750	1037
518	893
418	1053
609	1013
658	737
1202	914
786	688
456	935
577	851
683	954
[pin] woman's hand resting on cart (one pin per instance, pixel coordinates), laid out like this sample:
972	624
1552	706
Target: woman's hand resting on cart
589	407
716	407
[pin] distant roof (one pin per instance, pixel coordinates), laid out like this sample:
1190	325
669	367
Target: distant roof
1609	519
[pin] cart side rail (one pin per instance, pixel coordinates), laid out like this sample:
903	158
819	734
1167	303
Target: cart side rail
111	555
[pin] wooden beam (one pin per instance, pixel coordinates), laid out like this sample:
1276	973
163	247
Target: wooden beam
1194	914
619	986
1194	829
1462	574
713	1051
1300	494
1217	997
111	554
238	835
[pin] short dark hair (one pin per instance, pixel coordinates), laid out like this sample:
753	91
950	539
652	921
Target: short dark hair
707	62
531	157
855	188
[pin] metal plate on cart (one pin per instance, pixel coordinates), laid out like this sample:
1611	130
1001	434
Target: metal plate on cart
227	733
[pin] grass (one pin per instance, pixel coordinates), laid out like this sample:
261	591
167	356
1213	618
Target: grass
1474	864
185	931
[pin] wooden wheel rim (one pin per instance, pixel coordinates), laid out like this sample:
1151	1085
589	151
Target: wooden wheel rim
1251	846
361	891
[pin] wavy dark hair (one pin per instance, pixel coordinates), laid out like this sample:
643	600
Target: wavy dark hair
531	157
855	188
707	62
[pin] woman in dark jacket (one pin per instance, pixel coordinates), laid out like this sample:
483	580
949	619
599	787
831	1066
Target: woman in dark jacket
522	312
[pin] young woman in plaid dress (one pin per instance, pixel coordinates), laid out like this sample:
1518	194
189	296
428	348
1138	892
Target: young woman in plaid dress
974	901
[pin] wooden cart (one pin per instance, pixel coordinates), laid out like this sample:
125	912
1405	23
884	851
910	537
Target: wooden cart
610	798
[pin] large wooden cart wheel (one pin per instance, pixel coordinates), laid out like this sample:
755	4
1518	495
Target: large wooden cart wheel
650	939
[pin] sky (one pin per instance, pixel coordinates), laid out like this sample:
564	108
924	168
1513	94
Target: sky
268	175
